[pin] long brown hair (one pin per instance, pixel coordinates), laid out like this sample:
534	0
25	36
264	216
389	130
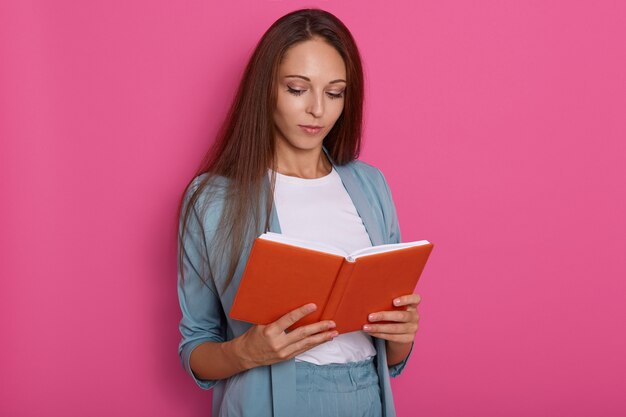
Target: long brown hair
244	148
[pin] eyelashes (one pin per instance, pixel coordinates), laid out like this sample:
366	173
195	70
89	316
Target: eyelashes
299	92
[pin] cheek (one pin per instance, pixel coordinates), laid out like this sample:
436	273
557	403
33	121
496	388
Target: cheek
337	110
286	110
279	111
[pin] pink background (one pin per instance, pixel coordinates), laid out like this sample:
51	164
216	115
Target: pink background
500	126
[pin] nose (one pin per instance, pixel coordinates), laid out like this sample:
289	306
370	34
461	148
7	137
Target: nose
315	106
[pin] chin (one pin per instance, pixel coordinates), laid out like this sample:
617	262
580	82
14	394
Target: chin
310	147
304	144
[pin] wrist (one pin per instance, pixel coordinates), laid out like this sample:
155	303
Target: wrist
397	351
395	344
235	351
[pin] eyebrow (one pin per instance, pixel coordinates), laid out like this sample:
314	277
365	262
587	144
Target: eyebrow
309	80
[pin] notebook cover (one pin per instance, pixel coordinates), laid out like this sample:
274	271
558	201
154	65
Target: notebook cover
279	278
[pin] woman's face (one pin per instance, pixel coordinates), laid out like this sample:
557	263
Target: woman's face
311	84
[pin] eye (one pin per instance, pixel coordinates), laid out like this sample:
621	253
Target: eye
294	91
332	96
336	95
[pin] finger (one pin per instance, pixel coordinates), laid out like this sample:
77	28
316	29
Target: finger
398	315
308	330
403	338
290	318
391	328
310	342
410	299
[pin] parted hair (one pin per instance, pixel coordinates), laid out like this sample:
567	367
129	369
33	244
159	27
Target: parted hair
244	147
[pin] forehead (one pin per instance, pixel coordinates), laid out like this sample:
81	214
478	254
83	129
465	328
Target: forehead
314	59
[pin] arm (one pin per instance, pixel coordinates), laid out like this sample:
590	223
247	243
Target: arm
203	323
214	360
204	352
398	351
260	345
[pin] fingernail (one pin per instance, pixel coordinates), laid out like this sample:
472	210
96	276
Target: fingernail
372	317
396	301
331	325
334	334
367	328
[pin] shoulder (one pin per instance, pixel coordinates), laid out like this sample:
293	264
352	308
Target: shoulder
208	187
209	184
373	181
207	192
363	167
368	174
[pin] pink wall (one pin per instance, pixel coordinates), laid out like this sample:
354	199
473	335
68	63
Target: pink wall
500	126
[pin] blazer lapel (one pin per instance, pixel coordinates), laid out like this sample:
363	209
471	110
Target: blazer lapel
359	199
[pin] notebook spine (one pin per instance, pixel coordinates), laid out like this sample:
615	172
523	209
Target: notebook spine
339	289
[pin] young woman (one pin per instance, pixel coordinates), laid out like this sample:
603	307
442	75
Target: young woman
286	161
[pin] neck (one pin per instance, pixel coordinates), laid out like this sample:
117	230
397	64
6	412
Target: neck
302	163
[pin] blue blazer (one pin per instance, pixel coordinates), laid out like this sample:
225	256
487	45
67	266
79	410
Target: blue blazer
266	390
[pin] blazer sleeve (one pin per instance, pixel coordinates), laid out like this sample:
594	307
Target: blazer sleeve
393	235
203	319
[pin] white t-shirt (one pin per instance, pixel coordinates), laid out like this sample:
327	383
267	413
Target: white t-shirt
320	209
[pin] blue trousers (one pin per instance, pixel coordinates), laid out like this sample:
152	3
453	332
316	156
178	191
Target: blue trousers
338	389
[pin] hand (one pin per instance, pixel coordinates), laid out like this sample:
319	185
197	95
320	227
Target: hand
405	328
267	344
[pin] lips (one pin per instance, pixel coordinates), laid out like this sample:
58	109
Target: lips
311	129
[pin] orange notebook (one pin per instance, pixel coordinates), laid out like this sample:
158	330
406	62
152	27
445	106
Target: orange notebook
284	273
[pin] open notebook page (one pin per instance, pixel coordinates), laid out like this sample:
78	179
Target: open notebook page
372	250
301	243
321	247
